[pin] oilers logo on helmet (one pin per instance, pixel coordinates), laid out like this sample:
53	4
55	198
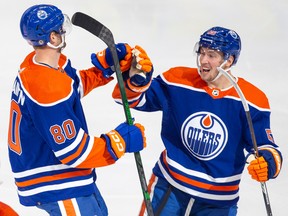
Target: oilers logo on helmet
204	135
38	21
233	34
41	14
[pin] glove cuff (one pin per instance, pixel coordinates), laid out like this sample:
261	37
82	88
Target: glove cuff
138	89
115	144
273	159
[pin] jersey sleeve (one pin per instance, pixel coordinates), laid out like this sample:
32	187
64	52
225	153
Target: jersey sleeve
87	79
260	114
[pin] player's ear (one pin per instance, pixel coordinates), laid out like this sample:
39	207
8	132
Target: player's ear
53	38
230	61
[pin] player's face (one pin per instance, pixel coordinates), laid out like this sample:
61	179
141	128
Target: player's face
209	61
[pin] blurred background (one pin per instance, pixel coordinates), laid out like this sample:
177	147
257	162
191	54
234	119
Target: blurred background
167	30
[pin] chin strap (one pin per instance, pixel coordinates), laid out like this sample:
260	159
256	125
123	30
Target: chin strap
61	46
220	74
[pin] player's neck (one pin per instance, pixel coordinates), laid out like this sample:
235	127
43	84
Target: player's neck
48	57
221	83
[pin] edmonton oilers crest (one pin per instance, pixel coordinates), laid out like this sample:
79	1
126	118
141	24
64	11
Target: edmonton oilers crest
204	135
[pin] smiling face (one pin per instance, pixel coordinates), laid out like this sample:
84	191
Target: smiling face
209	60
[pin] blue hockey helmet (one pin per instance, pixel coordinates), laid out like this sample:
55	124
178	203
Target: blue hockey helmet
224	40
38	21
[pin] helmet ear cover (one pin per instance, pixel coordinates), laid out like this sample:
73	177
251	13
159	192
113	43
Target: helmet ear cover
224	40
38	21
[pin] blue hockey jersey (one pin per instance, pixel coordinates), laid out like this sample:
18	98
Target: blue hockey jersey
51	153
205	132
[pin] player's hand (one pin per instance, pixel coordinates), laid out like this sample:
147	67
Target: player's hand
103	60
143	62
141	70
258	169
125	138
266	166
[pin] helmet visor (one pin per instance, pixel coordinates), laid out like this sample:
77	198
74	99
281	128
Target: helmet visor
66	26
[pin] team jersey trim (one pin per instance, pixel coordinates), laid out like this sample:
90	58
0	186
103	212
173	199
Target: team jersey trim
178	166
80	87
72	145
52	178
257	100
55	187
194	192
39	170
85	154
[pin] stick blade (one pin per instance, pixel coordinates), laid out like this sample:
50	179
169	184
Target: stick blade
86	22
93	26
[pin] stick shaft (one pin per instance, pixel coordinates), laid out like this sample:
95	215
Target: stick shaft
102	32
252	133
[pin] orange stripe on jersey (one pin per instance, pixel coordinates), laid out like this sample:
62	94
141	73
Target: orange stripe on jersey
191	78
69	208
54	178
77	153
99	155
197	183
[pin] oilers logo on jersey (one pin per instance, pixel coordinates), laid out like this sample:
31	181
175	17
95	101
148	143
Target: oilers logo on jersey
204	135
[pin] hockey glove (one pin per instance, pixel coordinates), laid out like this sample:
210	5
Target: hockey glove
141	71
103	60
125	138
258	169
265	167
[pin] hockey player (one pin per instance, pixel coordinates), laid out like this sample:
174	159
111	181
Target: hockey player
204	129
52	155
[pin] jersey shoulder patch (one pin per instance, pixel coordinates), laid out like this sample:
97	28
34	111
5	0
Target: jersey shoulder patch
45	85
253	94
184	76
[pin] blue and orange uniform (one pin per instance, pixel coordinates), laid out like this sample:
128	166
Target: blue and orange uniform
51	152
205	132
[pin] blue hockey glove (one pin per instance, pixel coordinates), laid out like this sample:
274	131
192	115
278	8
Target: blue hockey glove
103	60
141	71
125	138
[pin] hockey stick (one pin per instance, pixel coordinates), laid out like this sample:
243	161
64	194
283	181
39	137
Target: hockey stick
163	201
98	29
253	137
